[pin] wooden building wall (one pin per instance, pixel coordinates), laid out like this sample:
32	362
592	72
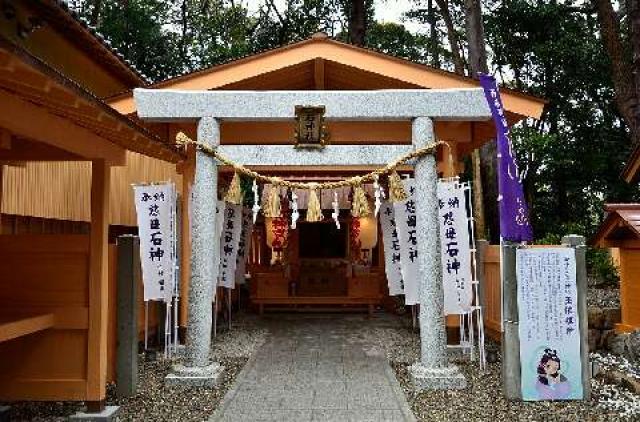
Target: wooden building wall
629	288
61	190
41	275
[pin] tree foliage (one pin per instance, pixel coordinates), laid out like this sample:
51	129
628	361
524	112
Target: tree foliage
549	48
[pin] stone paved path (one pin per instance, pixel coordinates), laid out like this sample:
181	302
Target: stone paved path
315	368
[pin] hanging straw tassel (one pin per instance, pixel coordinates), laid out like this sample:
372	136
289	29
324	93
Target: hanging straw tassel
359	204
314	210
271	206
396	188
234	194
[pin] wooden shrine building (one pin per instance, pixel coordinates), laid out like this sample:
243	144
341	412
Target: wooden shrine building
60	146
71	144
313	274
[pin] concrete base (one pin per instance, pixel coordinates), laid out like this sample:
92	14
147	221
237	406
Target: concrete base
206	376
4	413
447	378
110	413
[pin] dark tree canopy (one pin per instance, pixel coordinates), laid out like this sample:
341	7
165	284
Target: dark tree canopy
551	49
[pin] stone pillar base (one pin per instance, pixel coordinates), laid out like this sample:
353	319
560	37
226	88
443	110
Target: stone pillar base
447	378
110	413
199	376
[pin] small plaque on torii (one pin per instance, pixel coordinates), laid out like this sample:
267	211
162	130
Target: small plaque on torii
310	130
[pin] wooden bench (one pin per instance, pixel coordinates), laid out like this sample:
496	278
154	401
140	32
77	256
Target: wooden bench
12	326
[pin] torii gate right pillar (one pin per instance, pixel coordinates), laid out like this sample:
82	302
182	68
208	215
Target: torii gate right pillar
433	371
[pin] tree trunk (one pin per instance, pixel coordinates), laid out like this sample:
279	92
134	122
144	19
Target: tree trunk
433	34
485	181
621	66
452	36
475	37
634	20
95	13
357	22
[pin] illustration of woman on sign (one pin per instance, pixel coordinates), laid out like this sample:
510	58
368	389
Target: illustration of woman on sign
551	384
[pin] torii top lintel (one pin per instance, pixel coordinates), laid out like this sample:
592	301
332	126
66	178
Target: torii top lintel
438	104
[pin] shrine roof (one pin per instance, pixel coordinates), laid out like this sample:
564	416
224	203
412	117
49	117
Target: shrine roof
322	63
26	81
621	223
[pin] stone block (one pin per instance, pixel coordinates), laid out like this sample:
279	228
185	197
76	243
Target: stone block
617	344
595	317
446	378
4	413
611	317
594	339
110	413
206	376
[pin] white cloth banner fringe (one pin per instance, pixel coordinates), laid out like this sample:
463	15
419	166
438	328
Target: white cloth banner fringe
405	216
244	244
391	249
455	248
229	240
156	215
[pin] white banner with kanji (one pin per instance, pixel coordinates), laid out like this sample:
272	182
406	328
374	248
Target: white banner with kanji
156	212
229	239
244	244
391	243
455	248
405	216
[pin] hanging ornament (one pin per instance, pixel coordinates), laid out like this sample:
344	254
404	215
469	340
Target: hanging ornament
234	193
378	193
396	188
336	210
256	201
271	206
295	215
359	203
314	210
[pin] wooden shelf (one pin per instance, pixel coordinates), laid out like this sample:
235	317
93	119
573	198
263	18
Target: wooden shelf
17	326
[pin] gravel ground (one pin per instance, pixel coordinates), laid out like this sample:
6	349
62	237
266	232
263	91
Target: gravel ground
156	402
482	400
603	297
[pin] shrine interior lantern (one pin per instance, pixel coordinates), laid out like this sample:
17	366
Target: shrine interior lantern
277	231
368	232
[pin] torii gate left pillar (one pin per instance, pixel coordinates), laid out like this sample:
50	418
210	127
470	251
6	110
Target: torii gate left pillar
421	107
205	244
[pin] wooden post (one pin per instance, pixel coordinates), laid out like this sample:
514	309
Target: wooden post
185	244
98	284
578	244
127	315
510	318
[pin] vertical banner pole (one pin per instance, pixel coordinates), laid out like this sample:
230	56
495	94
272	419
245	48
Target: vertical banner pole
511	374
229	306
578	243
146	325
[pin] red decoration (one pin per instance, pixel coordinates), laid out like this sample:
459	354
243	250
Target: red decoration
280	227
356	243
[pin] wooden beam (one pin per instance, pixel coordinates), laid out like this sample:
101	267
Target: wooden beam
318	73
14	327
31	121
98	282
5	139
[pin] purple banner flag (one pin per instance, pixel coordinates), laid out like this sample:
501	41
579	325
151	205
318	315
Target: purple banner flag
514	214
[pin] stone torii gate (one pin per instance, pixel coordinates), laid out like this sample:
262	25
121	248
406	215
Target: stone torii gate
208	108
